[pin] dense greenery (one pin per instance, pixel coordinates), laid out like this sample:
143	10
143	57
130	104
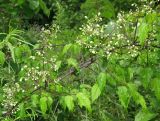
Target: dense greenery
79	60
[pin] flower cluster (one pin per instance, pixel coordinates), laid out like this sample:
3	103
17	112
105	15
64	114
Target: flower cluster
115	35
9	99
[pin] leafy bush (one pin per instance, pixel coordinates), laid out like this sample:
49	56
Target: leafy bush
106	70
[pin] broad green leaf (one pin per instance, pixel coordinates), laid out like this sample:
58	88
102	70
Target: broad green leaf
35	100
49	101
95	92
144	116
2	58
137	97
66	48
102	77
43	104
124	96
146	75
76	49
57	65
156	87
69	102
73	62
22	112
33	4
22	53
62	102
143	32
83	100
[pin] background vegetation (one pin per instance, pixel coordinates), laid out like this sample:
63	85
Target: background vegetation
79	60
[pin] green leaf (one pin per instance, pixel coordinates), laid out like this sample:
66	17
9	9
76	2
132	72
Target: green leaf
144	116
151	17
146	75
43	104
22	112
49	101
95	92
33	4
2	58
73	62
44	7
131	72
76	49
102	77
69	102
137	97
57	65
66	48
20	2
143	32
35	100
62	102
83	100
22	53
124	96
156	88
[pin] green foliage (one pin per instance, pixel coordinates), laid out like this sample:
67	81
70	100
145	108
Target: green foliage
43	104
83	100
95	62
69	102
124	96
105	7
95	92
2	58
144	116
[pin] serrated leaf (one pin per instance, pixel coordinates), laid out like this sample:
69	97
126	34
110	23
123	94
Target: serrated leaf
2	58
124	96
69	102
62	102
83	100
144	116
102	77
43	104
137	97
95	92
